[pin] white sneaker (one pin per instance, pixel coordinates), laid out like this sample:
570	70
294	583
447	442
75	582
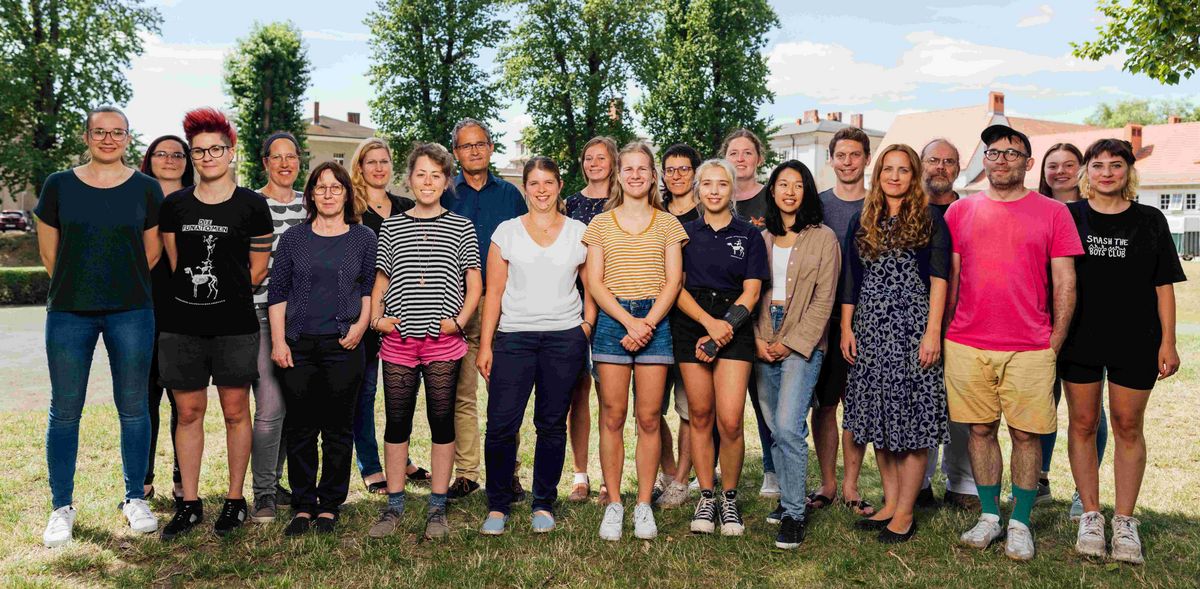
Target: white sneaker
674	495
1126	545
614	520
644	527
141	519
1089	541
770	486
58	529
1020	541
986	531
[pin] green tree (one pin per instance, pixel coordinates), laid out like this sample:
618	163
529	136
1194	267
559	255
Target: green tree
58	59
425	69
706	73
267	75
1160	38
569	61
1142	112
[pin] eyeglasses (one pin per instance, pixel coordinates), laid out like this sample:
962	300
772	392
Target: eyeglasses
480	146
276	159
173	155
681	170
215	151
377	163
116	134
335	190
1010	155
934	162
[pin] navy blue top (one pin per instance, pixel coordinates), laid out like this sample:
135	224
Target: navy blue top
327	255
932	260
497	202
292	277
722	259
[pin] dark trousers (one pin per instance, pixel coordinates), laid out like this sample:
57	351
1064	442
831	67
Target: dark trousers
321	391
551	360
157	392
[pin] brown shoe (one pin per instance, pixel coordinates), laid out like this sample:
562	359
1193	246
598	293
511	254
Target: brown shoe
580	493
968	503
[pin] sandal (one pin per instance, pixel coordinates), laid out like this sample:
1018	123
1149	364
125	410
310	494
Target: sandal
819	501
376	488
419	477
860	506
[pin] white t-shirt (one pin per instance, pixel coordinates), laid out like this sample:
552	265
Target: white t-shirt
540	293
779	266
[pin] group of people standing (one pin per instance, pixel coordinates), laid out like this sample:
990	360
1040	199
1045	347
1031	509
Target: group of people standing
928	316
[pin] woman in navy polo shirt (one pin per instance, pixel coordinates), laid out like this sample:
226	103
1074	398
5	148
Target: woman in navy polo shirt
724	264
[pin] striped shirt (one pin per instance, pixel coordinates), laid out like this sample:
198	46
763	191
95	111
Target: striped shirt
426	261
283	217
635	265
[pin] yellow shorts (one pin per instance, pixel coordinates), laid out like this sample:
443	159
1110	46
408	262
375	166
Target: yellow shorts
982	385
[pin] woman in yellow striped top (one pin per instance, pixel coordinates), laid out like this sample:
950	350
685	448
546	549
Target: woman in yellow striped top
634	270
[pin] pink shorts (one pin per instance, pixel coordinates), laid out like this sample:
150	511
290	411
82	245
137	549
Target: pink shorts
415	351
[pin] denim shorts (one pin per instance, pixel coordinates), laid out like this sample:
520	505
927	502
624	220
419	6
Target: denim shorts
606	343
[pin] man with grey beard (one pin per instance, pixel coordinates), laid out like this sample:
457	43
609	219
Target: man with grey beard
939	170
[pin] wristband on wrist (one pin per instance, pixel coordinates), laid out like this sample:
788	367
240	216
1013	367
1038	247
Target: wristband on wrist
736	316
456	325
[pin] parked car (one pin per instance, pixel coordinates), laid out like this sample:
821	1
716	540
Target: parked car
15	221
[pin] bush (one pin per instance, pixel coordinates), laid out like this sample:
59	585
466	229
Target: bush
24	286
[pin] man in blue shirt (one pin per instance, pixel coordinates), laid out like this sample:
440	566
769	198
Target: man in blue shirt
487	201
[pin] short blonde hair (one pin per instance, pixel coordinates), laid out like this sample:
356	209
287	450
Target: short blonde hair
1115	148
722	164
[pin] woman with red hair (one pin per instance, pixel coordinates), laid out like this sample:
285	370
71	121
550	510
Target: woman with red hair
218	241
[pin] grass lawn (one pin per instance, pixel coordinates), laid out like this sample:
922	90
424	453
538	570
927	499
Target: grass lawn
834	555
1187	294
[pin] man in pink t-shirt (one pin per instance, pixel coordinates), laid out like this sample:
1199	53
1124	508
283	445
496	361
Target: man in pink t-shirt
1003	335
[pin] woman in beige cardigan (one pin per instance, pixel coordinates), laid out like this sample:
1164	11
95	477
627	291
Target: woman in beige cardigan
790	333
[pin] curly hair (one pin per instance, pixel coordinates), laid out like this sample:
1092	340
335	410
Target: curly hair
915	225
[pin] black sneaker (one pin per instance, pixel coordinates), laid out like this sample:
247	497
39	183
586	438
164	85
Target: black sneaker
188	514
233	514
283	497
297	526
926	500
731	516
1043	492
776	516
325	525
704	519
461	487
791	533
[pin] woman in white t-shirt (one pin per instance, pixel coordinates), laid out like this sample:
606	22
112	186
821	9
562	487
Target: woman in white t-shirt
532	334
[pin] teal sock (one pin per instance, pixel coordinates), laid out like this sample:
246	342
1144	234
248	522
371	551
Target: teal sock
396	502
437	501
989	499
1023	504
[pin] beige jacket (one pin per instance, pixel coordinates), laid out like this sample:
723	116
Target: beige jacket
812	281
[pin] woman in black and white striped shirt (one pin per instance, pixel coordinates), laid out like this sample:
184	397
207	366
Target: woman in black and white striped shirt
426	288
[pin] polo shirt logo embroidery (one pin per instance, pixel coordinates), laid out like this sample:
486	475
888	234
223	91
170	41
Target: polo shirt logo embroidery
738	247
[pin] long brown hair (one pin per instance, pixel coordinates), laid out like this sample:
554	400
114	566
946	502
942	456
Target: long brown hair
1043	184
654	195
914	225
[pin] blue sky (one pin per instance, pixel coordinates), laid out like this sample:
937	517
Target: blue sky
876	58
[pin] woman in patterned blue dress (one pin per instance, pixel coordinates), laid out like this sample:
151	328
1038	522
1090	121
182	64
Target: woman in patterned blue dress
897	258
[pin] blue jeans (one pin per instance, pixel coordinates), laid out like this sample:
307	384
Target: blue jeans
70	342
551	361
366	446
785	391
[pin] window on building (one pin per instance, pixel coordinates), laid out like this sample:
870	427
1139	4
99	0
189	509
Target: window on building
1164	201
340	158
1189	202
1177	202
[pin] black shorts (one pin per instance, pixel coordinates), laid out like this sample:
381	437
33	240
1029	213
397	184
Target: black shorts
188	362
1139	376
685	331
831	384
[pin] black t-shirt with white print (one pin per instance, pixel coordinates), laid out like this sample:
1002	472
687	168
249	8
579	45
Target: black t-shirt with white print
1126	256
426	261
210	291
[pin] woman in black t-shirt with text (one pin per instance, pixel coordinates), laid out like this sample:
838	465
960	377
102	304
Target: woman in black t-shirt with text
1123	329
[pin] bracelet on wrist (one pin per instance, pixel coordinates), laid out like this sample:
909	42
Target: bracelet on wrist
456	325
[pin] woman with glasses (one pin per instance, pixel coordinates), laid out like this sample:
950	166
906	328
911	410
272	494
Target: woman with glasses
166	160
280	155
218	240
371	174
98	238
320	301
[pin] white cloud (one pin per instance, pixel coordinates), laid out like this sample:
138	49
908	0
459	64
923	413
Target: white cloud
335	35
1043	16
169	79
831	73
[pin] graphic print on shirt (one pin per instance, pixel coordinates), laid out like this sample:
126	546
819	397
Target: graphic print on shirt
203	275
738	247
1107	247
